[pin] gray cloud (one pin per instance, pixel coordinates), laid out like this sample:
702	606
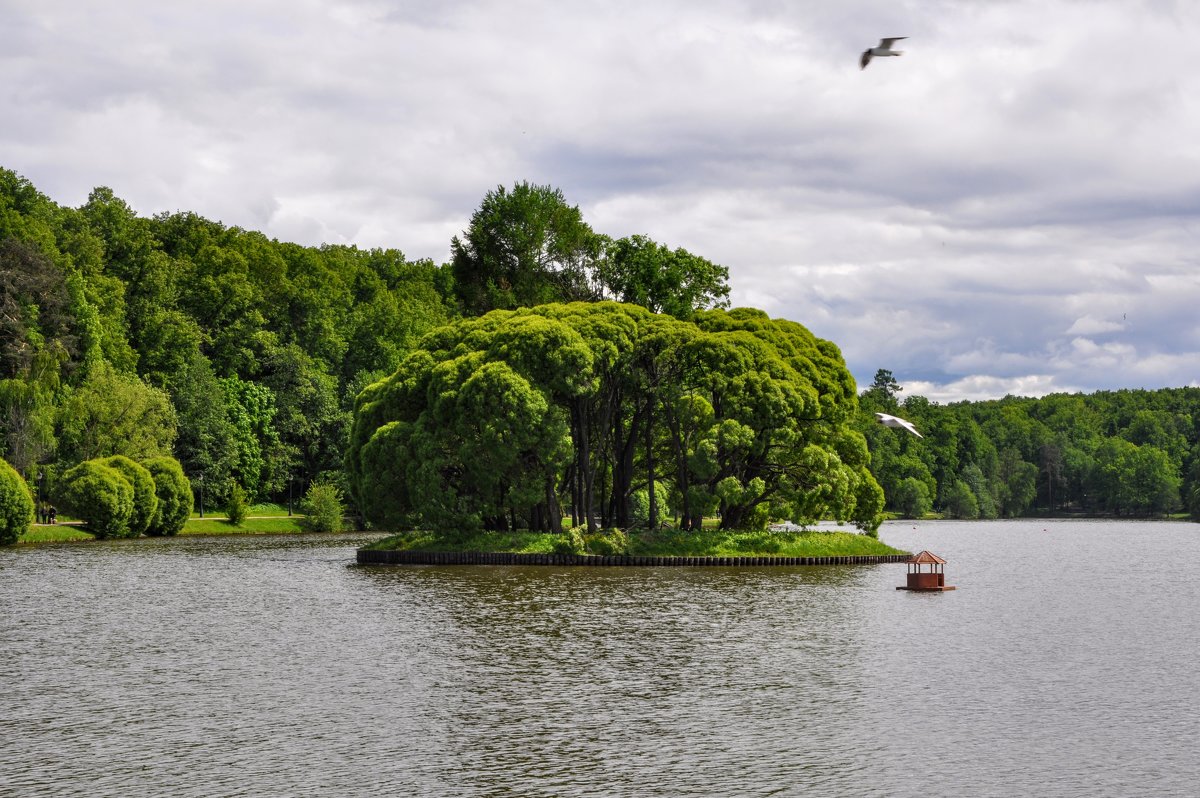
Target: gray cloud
1010	207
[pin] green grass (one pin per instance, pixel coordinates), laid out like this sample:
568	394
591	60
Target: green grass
662	543
56	533
251	526
270	522
266	509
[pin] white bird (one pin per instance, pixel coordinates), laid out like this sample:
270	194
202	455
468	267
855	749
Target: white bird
884	48
897	423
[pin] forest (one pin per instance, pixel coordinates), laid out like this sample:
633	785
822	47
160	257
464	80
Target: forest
242	358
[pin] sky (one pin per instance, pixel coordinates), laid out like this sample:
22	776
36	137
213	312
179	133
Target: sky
1011	207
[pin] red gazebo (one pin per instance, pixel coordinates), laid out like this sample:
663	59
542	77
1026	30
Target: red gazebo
933	579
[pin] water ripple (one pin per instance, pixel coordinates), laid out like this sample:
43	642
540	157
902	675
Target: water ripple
274	667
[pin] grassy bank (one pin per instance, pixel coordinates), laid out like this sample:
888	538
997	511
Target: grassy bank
54	533
250	526
265	524
661	543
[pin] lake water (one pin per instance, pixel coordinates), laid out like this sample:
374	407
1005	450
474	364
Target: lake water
1065	664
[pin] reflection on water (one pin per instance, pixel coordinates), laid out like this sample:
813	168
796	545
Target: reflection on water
1063	665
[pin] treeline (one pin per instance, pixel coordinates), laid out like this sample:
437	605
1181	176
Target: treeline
240	355
178	336
1126	453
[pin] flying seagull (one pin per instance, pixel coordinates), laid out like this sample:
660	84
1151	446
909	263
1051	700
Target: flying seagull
897	423
884	48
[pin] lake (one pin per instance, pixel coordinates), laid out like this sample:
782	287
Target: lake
1065	664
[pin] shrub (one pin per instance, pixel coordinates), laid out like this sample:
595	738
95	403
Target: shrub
99	495
174	493
570	542
16	505
607	542
236	506
145	501
322	508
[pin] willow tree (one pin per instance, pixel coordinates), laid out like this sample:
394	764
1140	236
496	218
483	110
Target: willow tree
515	418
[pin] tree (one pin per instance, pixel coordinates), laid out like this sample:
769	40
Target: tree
495	418
524	247
112	413
322	508
959	501
884	391
236	506
912	498
676	282
35	310
101	496
174	494
16	505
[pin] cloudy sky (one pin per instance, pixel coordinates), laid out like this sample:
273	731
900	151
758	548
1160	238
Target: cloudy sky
1013	206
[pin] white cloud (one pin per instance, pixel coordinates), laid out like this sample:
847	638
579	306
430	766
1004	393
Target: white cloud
1012	206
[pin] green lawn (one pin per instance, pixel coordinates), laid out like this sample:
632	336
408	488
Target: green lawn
266	510
250	526
268	524
662	543
55	533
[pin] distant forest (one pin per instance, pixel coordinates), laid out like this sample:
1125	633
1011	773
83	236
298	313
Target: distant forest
241	356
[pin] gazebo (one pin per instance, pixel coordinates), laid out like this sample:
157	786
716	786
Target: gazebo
920	578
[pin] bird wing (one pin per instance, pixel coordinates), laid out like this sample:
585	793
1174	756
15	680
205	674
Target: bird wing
887	43
898	423
866	59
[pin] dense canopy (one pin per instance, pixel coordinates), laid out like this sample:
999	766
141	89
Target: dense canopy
517	418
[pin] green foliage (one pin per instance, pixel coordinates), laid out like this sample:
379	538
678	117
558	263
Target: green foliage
16	505
502	420
236	506
100	496
322	507
113	413
640	511
1111	452
174	493
606	542
676	282
145	498
912	499
571	541
524	247
657	543
959	502
242	356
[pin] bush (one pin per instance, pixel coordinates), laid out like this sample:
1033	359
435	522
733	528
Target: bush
16	505
236	506
607	542
99	495
145	500
570	542
174	493
322	508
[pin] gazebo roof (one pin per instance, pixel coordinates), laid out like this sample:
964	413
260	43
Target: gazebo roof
926	558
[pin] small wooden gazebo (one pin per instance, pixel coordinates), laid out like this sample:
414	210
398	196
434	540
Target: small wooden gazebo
920	578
